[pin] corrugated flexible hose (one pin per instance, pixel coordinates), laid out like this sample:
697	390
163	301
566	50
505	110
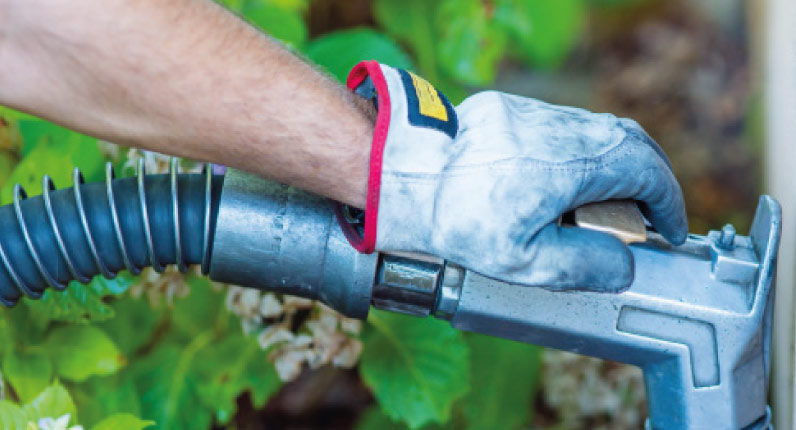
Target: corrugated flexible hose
105	227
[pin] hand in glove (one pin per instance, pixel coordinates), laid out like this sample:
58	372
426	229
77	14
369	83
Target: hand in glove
483	184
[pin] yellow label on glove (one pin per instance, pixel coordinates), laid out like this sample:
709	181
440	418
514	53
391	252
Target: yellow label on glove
428	98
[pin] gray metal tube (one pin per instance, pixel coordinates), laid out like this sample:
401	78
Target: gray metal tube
277	238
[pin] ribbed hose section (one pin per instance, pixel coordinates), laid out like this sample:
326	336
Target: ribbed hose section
104	227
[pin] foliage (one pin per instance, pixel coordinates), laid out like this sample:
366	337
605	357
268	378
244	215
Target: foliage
99	355
417	368
53	401
497	398
462	41
334	52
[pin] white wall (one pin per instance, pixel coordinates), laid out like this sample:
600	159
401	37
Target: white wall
779	80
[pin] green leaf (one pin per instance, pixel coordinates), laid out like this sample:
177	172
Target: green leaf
15	114
166	388
504	381
82	351
36	131
184	386
615	3
7	163
81	303
234	5
123	421
417	368
544	32
295	5
413	22
244	368
102	396
119	285
282	23
10	143
470	43
22	326
338	52
56	152
53	402
29	374
197	312
12	417
133	325
374	419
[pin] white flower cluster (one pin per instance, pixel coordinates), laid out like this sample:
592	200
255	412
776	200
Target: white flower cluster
59	423
160	287
325	337
591	393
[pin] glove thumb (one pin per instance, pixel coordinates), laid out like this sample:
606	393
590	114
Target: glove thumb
572	258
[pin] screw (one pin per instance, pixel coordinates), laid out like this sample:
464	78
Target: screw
727	238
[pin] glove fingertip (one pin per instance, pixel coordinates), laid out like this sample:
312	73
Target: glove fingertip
598	262
678	233
619	279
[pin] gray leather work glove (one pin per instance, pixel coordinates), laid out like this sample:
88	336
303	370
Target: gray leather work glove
483	185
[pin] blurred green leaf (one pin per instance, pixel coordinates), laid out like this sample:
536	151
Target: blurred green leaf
296	5
15	114
198	312
12	417
133	325
53	402
101	396
167	391
233	5
374	419
76	304
28	373
36	131
413	22
123	421
80	351
80	303
503	383
56	152
21	325
118	285
10	144
615	3
417	368
544	32
338	52
7	164
470	43
245	368
202	366
282	23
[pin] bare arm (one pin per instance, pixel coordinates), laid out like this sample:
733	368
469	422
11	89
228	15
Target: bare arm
184	77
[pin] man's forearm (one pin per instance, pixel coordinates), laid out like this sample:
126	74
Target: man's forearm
184	77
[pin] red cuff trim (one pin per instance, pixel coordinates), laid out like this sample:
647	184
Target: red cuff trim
367	243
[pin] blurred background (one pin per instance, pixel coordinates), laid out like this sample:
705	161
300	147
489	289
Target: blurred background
691	72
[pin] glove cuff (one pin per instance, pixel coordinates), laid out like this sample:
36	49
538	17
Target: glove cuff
414	128
360	228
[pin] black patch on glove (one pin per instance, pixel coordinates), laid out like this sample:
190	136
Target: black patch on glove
427	106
